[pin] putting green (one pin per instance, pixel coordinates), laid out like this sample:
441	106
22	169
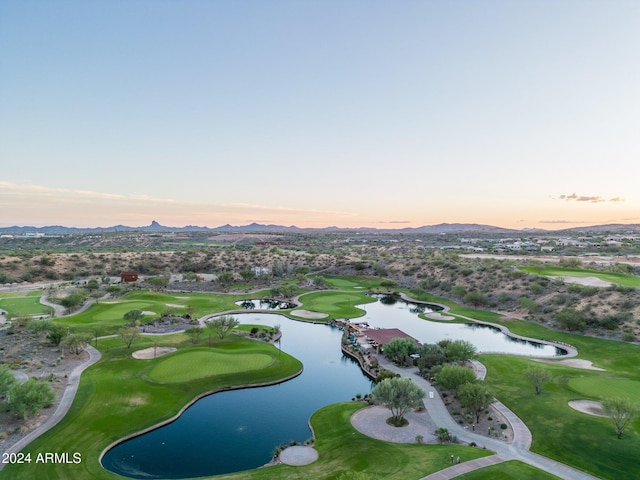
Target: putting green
606	387
186	366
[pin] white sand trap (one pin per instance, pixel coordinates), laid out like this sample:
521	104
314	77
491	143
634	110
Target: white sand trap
148	312
588	406
588	281
438	316
183	298
308	314
152	352
175	305
574	362
298	455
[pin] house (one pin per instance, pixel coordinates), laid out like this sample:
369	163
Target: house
131	276
380	337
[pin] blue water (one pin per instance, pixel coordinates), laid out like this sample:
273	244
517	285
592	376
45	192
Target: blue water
239	430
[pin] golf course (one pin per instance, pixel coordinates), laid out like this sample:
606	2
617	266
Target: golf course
121	396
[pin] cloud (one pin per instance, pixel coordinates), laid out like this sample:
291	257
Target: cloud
588	198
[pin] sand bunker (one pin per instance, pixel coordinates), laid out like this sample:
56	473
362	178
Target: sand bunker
438	316
574	362
148	312
588	406
298	455
175	305
308	314
588	281
152	352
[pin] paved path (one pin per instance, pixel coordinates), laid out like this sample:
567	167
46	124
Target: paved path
516	450
63	406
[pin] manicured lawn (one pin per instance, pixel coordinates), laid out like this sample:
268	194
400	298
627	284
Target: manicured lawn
621	279
109	314
116	398
336	304
23	303
583	441
342	449
511	470
353	282
606	387
193	364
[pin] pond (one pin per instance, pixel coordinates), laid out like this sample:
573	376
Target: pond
396	313
239	430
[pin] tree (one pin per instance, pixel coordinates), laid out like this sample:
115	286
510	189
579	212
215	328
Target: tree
225	278
158	282
194	333
451	377
56	334
222	325
7	380
460	351
72	301
29	397
384	374
92	284
538	376
247	275
621	412
476	299
399	395
191	277
75	342
430	356
570	319
129	335
474	396
398	349
133	315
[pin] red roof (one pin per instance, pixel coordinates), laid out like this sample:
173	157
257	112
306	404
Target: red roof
385	335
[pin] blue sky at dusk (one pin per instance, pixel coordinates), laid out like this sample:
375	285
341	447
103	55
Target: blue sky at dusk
317	113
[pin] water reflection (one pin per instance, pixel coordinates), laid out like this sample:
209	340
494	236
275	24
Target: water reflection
265	304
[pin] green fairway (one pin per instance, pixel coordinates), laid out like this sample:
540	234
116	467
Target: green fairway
622	279
606	387
511	470
108	315
194	364
353	282
23	303
336	304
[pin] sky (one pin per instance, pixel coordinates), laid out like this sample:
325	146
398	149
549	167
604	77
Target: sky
320	113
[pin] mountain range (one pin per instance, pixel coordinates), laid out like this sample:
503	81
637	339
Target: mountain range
256	227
